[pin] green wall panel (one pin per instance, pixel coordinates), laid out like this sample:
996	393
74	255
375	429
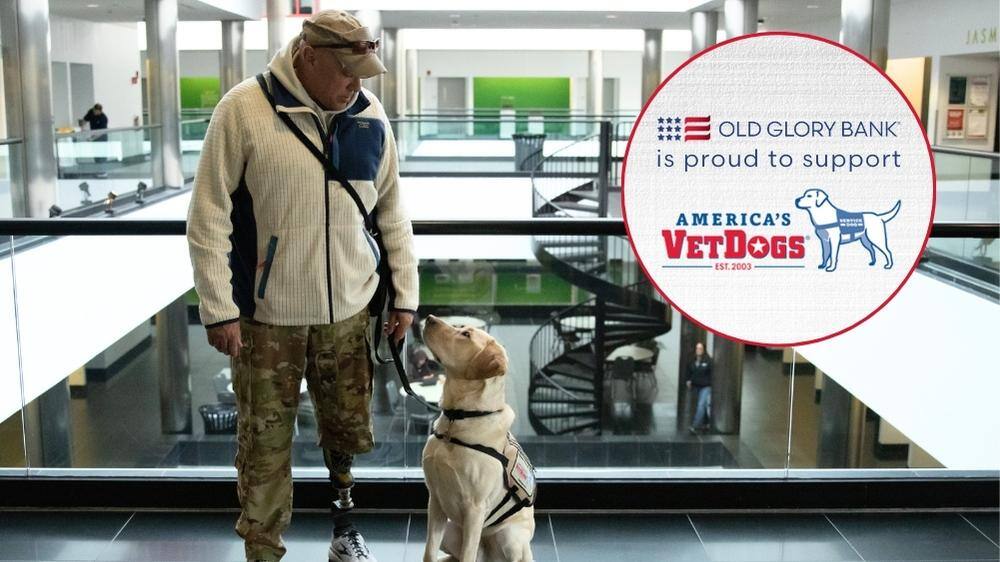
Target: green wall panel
519	93
199	92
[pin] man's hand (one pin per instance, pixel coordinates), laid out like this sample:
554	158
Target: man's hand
399	322
226	338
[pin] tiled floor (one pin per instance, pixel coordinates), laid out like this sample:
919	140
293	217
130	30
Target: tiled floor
209	537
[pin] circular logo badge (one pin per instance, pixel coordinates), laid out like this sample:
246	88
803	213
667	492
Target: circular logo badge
778	189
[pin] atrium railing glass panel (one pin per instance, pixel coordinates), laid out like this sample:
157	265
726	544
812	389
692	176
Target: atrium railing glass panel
9	174
12	434
94	164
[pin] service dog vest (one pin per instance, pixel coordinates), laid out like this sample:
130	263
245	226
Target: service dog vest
851	225
518	474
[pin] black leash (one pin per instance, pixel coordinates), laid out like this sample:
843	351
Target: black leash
403	379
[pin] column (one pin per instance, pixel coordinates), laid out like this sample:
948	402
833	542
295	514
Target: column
841	427
741	17
390	80
690	335
704	28
652	65
864	27
412	86
595	82
233	67
276	12
727	384
174	367
373	20
24	25
47	432
164	98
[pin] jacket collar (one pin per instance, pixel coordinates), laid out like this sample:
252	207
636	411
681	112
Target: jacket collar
285	101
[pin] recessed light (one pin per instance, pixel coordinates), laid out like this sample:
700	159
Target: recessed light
812	6
93	6
455	16
611	16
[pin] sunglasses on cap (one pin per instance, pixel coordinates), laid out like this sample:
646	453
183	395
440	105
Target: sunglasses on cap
356	47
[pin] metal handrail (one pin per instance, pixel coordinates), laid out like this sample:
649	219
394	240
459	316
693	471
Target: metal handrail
517	227
966	152
11	140
92	132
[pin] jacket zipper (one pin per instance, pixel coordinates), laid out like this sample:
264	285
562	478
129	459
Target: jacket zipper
326	199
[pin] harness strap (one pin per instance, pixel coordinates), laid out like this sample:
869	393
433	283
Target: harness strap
477	447
455	415
517	507
831	225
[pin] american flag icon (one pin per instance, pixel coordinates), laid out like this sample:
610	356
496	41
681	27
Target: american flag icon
697	128
668	128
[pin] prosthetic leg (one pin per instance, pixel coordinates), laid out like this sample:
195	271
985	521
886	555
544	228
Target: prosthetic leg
339	465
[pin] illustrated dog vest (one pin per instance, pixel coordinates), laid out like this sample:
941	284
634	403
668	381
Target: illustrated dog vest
518	474
851	225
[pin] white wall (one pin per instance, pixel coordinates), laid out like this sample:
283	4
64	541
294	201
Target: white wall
923	28
927	364
111	49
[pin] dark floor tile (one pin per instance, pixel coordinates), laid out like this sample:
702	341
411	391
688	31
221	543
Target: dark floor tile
308	538
757	537
635	537
988	523
57	535
924	536
178	537
542	546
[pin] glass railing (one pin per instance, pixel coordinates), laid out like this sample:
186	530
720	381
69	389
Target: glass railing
9	176
93	164
968	185
120	385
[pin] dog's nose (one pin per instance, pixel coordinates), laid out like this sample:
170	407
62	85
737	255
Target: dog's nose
432	318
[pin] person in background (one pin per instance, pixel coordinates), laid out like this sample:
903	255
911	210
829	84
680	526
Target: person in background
699	378
96	119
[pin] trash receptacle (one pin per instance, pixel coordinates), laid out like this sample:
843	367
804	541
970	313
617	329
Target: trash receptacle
218	418
527	151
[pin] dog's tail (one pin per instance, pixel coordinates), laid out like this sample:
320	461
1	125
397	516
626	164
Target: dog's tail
890	214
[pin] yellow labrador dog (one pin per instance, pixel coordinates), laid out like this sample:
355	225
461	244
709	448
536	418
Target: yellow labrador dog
481	484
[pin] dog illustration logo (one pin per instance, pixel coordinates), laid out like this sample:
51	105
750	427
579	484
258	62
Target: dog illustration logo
836	227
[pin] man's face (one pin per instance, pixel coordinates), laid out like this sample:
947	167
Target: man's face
325	79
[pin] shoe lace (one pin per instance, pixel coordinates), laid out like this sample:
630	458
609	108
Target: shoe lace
357	544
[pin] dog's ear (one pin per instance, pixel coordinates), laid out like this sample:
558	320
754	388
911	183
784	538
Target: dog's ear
820	198
490	362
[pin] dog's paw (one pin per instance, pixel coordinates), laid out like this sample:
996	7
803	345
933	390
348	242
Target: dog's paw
831	269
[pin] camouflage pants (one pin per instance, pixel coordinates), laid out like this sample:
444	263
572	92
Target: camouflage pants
267	376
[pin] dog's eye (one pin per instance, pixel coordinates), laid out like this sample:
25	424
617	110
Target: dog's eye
467	334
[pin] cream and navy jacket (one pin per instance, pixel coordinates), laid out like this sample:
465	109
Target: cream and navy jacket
271	238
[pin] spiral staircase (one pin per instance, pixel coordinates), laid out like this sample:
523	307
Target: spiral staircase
567	391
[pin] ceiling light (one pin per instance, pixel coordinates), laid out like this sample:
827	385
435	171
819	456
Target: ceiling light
611	16
812	6
455	16
93	6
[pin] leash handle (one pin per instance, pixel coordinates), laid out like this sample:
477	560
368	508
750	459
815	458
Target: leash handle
403	379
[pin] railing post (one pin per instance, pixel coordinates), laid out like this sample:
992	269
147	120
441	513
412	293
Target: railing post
604	168
599	316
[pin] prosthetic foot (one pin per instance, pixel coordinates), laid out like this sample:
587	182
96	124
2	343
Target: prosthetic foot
347	545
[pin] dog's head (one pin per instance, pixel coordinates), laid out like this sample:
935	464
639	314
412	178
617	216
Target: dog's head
466	353
812	198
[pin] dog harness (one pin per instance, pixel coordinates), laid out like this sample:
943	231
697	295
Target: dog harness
851	225
518	474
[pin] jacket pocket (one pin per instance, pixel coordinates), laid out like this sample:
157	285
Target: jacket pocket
372	246
272	245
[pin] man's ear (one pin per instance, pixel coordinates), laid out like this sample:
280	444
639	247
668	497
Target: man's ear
490	362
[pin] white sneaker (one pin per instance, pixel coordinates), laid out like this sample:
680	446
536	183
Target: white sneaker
350	547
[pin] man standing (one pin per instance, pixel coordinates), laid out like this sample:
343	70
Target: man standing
699	377
285	271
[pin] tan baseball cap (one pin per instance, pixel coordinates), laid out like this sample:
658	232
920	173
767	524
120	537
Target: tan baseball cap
334	27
